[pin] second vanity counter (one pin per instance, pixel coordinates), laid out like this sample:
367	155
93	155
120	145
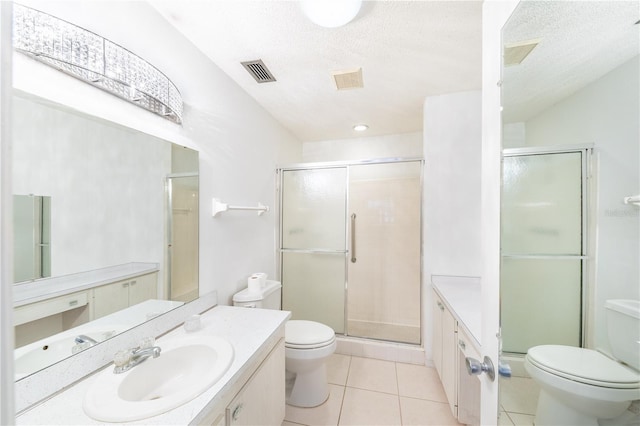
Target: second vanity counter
252	332
462	296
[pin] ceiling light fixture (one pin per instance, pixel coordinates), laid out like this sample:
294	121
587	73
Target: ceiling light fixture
331	13
95	60
360	127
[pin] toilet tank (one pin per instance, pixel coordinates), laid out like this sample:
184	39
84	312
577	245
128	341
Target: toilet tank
623	327
268	297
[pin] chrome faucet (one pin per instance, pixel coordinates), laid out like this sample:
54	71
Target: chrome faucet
82	338
126	359
82	342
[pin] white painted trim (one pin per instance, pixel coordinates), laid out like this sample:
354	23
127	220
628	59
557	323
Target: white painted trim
495	14
6	219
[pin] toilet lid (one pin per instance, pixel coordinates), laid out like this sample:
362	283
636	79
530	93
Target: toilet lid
583	365
301	334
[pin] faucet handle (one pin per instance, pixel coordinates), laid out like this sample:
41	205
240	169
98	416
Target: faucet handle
147	342
122	358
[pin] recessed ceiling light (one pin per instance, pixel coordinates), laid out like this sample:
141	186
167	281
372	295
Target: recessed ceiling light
360	127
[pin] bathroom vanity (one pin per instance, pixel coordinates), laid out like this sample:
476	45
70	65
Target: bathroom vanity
70	300
456	331
252	390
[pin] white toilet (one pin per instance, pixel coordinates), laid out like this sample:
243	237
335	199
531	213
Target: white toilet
308	344
579	386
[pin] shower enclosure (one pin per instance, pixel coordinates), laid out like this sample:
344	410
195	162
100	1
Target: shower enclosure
544	247
350	247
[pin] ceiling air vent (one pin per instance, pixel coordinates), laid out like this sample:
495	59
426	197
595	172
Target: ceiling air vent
351	79
259	71
515	53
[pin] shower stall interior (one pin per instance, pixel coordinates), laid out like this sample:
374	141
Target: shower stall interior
350	247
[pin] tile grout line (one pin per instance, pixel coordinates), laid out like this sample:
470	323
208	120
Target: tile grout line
398	391
344	393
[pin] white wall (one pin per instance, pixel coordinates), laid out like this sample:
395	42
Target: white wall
405	145
451	204
607	114
239	142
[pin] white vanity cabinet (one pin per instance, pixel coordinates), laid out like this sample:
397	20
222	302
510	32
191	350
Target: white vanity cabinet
35	321
262	400
468	394
452	344
257	398
116	296
445	329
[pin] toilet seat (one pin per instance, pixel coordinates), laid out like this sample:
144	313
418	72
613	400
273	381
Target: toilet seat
584	366
302	334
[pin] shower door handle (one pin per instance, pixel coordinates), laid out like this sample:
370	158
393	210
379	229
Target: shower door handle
353	238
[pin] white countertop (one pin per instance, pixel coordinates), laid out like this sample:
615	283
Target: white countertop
46	288
463	298
248	330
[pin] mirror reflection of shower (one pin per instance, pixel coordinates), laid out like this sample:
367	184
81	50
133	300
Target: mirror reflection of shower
32	237
182	247
182	190
544	247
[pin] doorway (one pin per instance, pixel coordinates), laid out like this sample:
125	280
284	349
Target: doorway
350	247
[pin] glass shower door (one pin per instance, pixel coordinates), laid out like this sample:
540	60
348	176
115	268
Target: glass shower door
384	259
543	249
183	237
313	244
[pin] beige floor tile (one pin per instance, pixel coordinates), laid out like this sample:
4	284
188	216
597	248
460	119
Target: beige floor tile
418	381
338	369
373	374
422	412
519	395
504	419
325	414
521	419
286	423
363	407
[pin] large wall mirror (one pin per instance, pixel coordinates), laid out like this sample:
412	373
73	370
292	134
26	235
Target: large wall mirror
115	203
571	140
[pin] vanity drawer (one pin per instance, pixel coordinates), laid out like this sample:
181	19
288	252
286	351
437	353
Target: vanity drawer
45	308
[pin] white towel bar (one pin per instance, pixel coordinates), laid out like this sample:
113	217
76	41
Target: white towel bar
219	207
634	199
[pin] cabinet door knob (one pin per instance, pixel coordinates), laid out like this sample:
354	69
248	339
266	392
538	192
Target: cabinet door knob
236	412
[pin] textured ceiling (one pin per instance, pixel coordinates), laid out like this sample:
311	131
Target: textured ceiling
408	50
580	42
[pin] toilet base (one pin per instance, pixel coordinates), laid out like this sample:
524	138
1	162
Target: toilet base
552	412
307	389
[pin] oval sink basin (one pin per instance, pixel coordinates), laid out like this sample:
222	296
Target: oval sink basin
187	366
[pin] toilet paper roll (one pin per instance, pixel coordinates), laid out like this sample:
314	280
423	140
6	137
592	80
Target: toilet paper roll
254	284
261	276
